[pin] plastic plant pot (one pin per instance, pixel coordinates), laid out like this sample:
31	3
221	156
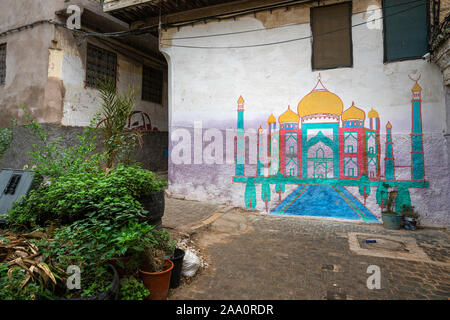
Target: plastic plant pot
177	259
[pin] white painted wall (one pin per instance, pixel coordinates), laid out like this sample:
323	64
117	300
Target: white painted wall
204	84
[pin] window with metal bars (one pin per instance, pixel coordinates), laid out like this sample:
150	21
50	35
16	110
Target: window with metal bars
101	64
152	80
2	63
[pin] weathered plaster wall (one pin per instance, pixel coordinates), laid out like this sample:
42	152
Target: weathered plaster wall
46	69
17	156
81	102
204	85
27	62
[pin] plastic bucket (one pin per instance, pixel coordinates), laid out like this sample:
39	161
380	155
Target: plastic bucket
410	224
158	282
177	260
392	221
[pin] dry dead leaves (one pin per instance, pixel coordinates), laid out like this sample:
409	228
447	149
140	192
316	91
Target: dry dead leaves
19	252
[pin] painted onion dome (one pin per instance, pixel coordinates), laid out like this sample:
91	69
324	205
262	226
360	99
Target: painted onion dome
289	116
353	113
320	100
373	114
416	87
272	119
241	100
388	125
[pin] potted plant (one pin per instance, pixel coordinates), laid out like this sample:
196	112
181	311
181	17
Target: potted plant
132	289
410	217
391	219
154	268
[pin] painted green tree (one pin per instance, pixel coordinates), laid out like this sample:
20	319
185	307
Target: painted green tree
382	194
403	199
265	193
280	186
250	196
364	186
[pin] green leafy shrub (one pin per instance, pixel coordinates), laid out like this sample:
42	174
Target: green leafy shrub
90	244
11	289
6	135
77	195
408	211
51	159
132	289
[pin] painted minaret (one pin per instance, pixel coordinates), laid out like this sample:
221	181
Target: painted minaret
240	148
260	167
389	158
273	146
374	124
417	161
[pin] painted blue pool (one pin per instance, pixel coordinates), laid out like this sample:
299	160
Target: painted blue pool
324	201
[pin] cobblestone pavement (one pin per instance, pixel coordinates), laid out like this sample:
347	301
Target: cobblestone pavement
182	213
253	256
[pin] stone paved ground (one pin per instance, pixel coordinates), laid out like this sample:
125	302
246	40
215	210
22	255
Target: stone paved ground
180	213
254	256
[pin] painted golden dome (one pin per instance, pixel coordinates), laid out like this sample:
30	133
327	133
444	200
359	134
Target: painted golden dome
272	119
372	114
353	113
320	100
389	125
416	87
240	100
289	116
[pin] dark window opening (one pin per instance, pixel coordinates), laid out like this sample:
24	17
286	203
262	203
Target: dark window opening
12	184
332	36
100	65
2	63
152	81
405	29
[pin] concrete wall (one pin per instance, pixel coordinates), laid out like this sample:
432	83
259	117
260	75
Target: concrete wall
46	73
151	155
205	84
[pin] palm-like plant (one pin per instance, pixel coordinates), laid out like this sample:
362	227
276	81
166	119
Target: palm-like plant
114	114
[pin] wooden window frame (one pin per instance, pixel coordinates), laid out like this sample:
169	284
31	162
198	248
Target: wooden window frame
385	60
351	35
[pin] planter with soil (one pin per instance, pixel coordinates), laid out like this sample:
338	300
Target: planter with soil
120	264
111	292
157	282
177	259
392	220
155	205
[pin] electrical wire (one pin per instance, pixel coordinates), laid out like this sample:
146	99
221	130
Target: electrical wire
146	30
289	40
284	26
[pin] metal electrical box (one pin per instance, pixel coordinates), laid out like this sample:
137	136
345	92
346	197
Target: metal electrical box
13	185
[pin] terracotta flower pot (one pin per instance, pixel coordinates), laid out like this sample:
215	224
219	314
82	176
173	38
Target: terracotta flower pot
158	282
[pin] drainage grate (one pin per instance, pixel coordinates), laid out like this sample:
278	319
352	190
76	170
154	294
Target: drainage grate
382	244
388	246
